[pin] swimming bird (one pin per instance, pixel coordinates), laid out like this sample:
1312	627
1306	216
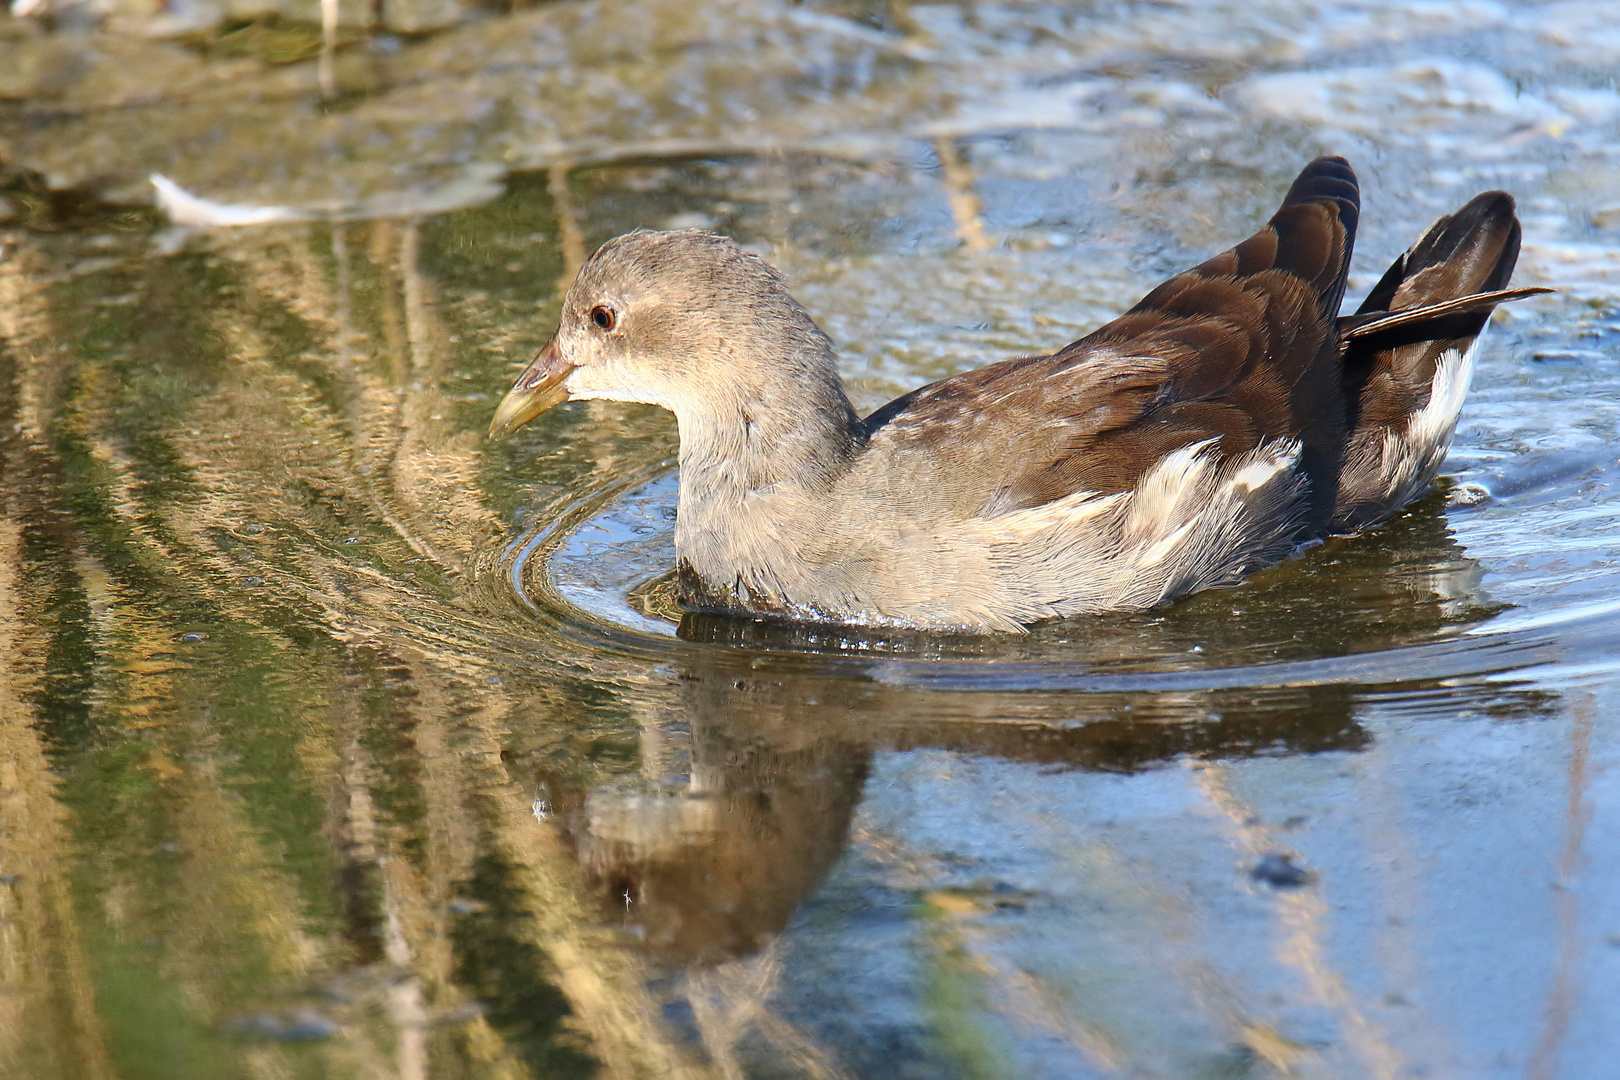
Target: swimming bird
1229	417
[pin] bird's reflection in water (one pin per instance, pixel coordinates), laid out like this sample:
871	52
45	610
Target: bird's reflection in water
710	869
715	869
711	864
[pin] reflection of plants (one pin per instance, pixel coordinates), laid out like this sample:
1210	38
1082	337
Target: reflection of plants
956	996
497	961
62	702
273	40
27	200
185	516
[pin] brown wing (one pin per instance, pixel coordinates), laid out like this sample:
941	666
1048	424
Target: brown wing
1241	349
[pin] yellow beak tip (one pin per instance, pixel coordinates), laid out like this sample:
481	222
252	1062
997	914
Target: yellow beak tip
536	390
518	407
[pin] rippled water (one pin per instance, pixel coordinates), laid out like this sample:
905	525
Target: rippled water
339	741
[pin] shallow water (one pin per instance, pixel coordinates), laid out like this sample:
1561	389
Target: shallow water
339	741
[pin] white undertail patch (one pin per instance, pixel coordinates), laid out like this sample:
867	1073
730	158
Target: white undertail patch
1386	469
1431	426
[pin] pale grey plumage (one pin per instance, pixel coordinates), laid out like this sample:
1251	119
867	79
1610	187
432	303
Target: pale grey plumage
1228	416
788	506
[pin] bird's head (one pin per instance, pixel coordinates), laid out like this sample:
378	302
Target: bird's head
676	319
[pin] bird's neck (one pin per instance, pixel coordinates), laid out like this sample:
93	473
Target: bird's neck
758	455
778	424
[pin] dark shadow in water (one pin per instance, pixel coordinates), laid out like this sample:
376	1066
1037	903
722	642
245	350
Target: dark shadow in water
710	865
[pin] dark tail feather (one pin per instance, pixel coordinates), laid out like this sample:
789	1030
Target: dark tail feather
1390	345
1471	251
1427	310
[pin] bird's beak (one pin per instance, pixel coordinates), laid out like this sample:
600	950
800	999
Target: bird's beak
536	390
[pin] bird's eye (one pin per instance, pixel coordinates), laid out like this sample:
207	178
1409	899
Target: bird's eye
603	317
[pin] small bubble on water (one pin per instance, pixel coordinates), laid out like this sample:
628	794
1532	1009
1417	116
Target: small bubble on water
352	540
193	637
250	580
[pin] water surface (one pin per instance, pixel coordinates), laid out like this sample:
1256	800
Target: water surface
341	742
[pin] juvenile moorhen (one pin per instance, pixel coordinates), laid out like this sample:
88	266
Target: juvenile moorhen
1225	419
